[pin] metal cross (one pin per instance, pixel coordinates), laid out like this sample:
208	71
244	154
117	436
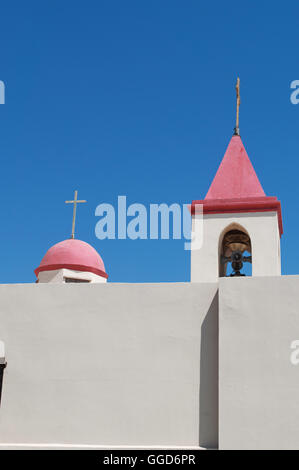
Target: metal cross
75	202
237	130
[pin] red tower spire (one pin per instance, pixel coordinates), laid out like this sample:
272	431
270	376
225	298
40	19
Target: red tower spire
236	188
235	177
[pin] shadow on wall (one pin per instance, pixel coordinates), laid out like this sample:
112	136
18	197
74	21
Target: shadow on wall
208	389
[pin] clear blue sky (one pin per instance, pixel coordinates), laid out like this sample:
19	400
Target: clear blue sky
137	98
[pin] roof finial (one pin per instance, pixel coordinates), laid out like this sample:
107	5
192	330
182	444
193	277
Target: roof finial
237	130
75	202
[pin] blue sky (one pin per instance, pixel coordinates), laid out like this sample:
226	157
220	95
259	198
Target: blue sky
137	98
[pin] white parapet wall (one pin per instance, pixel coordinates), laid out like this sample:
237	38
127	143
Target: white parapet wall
114	365
2	352
258	378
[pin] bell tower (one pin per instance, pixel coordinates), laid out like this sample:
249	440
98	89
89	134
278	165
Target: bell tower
241	225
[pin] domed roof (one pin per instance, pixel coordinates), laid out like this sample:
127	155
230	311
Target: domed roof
72	254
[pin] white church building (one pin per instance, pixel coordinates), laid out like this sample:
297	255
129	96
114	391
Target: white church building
86	363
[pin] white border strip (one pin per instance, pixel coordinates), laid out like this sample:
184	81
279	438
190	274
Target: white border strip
94	446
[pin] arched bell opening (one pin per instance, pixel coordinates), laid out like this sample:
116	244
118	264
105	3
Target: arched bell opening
235	252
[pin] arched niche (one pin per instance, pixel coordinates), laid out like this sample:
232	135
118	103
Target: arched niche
234	239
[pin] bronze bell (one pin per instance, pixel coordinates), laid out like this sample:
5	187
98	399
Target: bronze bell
235	240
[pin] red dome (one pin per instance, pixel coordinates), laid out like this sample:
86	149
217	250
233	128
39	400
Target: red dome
72	254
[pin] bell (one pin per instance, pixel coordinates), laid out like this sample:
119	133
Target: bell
235	240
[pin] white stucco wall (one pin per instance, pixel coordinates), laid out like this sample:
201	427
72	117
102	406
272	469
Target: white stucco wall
258	384
137	364
262	228
2	352
112	365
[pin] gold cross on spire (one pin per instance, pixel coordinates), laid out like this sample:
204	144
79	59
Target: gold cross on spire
237	130
75	202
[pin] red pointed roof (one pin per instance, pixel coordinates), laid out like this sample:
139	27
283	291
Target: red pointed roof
235	177
236	188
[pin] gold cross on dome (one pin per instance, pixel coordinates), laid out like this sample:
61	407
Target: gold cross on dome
75	202
237	130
